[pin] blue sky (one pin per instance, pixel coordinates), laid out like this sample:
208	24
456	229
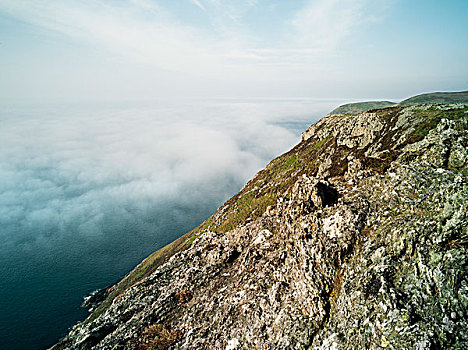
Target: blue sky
145	49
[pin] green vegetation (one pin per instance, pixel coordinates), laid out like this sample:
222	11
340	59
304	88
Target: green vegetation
431	117
194	237
320	144
246	207
207	225
269	184
290	163
434	97
353	108
437	97
285	166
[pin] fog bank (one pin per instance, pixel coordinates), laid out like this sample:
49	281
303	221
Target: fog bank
86	192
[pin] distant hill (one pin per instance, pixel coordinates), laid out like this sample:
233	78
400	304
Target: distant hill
437	97
433	97
353	108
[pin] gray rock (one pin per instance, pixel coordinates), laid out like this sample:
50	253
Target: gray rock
367	250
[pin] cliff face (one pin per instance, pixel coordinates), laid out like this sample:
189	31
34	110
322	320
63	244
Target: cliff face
356	238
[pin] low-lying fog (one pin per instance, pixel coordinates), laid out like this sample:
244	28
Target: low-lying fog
86	192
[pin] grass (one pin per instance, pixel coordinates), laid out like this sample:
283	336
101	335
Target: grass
431	118
247	207
437	97
430	98
274	181
320	144
285	165
353	108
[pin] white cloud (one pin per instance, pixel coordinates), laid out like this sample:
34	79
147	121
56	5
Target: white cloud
146	32
67	173
129	30
324	24
198	4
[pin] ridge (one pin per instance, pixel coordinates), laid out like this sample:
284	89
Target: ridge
355	238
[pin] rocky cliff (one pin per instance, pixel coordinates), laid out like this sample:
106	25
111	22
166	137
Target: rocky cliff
354	239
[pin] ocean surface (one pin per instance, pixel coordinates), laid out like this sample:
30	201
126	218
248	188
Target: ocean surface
89	190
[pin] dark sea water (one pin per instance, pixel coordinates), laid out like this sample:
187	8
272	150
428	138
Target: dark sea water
88	191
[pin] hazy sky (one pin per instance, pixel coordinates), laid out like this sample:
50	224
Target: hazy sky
117	49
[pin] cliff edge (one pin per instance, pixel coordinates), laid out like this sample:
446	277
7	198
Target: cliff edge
354	239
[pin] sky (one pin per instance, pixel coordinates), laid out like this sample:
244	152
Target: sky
148	49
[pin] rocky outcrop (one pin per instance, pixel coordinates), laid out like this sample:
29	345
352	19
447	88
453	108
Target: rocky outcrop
355	239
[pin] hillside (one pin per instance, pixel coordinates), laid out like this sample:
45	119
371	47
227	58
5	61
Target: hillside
355	238
358	107
433	97
437	97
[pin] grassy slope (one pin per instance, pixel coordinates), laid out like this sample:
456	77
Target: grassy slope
437	97
433	97
271	183
353	108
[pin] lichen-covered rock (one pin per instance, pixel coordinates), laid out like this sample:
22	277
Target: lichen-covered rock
365	250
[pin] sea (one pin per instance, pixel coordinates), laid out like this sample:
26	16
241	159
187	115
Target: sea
88	190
